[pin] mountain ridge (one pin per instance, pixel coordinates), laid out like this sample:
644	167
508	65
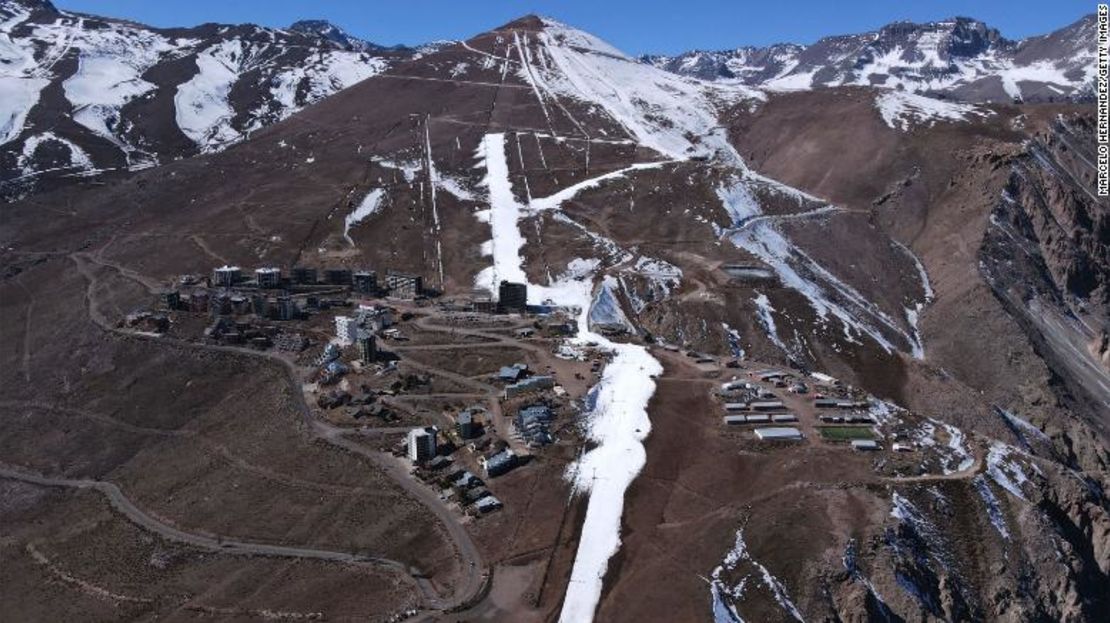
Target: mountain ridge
960	57
871	242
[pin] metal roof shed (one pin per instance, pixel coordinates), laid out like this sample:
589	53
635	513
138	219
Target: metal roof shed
778	433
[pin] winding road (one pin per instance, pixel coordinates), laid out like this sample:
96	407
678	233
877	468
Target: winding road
474	574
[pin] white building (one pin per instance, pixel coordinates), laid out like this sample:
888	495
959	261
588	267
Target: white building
268	277
422	444
865	445
374	318
346	330
777	433
226	276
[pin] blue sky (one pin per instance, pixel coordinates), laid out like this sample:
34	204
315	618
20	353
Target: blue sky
635	26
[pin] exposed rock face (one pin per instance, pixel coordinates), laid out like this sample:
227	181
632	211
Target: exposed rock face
85	95
338	36
1047	258
961	58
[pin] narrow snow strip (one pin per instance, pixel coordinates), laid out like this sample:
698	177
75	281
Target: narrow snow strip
503	215
720	590
913	314
617	423
369	205
825	293
724	610
767	319
738	201
993	506
454	187
568	193
526	74
1022	428
433	182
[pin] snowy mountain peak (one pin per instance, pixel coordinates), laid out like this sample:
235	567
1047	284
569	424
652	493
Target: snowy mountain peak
335	34
961	58
84	95
8	6
958	37
581	40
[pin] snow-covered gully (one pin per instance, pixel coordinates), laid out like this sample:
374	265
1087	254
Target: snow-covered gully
617	422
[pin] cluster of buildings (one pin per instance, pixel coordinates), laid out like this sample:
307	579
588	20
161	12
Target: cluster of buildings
422	448
748	403
512	298
838	403
470	491
533	424
269	293
521	381
361	329
226	330
400	285
226	303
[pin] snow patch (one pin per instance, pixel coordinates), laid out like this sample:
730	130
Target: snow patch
617	421
660	110
992	505
203	111
901	110
1004	469
726	595
78	159
369	205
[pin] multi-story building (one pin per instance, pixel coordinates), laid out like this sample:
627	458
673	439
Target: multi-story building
367	346
465	424
365	282
287	308
512	297
304	275
405	286
346	330
171	299
198	301
374	318
226	276
220	305
337	276
268	277
422	444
